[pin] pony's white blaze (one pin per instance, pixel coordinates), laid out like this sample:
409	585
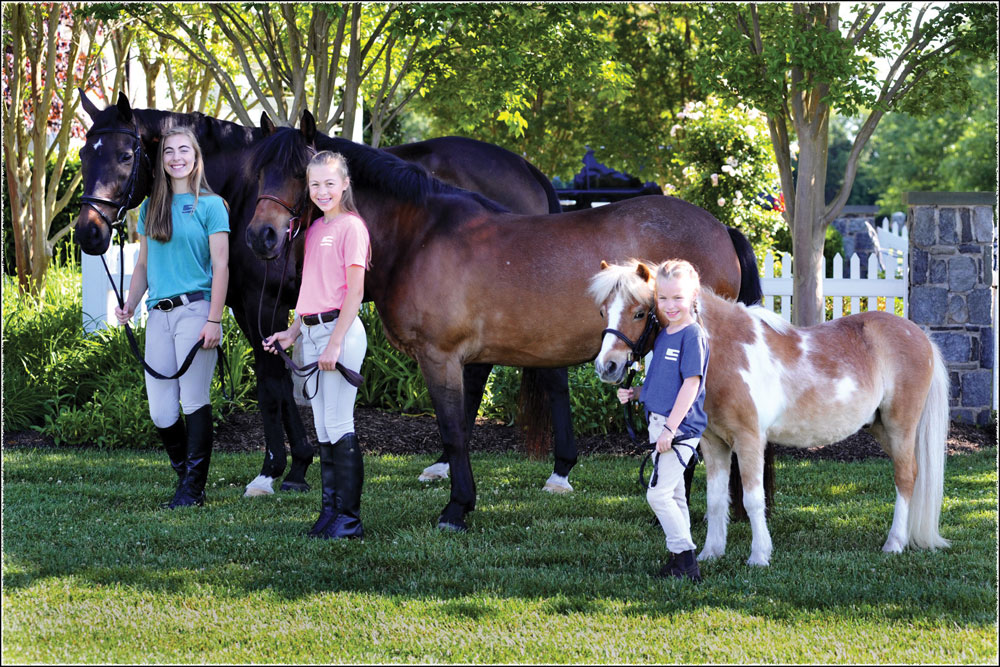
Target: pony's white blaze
616	310
97	146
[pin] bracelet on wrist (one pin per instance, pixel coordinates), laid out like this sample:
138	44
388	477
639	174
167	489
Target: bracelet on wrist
215	321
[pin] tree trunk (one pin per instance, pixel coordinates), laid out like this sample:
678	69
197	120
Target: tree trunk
809	226
352	83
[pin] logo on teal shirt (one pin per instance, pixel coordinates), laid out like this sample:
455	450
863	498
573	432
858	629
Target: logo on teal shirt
188	209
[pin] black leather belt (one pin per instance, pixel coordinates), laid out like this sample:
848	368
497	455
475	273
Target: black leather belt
328	316
166	305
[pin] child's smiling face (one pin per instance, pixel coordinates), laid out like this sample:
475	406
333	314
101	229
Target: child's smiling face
675	299
326	186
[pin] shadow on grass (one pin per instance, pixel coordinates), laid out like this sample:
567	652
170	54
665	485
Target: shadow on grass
585	553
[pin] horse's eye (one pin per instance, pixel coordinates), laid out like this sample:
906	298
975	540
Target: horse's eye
640	315
602	312
124	157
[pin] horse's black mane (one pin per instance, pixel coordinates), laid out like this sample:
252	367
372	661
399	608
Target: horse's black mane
286	150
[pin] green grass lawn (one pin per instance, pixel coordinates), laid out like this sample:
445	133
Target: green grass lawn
94	571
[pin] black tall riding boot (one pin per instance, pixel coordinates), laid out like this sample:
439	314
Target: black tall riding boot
295	480
174	439
199	454
349	471
328	476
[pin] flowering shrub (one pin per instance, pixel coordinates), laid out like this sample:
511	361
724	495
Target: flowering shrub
728	168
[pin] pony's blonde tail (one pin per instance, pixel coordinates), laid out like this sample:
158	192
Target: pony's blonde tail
932	435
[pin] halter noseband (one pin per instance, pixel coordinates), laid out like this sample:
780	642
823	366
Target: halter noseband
121	206
638	346
294	222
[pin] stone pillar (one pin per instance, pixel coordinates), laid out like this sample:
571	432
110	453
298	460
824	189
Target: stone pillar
953	288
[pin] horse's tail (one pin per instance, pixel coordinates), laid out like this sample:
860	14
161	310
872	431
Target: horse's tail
550	192
932	434
751	291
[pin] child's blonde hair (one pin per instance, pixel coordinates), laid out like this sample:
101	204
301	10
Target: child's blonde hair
159	223
337	161
681	270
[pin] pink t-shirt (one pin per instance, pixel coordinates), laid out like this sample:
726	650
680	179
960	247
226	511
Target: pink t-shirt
331	247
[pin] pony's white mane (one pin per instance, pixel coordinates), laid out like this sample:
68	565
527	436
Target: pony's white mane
622	278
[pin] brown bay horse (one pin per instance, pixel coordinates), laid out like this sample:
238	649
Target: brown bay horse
457	280
118	162
802	387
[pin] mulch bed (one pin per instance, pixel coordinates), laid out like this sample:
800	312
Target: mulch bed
383	432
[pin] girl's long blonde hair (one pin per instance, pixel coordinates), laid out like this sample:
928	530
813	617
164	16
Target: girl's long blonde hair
159	222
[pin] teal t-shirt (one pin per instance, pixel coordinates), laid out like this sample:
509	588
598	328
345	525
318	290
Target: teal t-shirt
184	263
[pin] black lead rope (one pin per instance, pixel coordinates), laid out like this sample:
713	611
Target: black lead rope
311	369
134	344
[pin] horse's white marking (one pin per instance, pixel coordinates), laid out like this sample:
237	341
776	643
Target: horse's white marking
844	389
100	142
615	311
717	516
260	486
760	545
898	533
763	378
804	345
434	472
557	484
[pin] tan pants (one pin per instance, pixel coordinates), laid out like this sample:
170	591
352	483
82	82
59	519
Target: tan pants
667	499
333	402
169	338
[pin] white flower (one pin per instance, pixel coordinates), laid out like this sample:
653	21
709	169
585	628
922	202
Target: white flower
722	201
751	131
673	130
739	195
669	188
728	169
715	180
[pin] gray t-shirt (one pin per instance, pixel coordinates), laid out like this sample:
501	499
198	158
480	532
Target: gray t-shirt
678	356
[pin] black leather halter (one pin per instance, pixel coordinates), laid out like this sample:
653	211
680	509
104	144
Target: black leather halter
122	205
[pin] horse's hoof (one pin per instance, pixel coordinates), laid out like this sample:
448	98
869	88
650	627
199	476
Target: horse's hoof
557	484
706	554
759	561
450	527
260	486
432	473
295	486
893	545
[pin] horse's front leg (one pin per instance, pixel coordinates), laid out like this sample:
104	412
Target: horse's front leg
717	454
475	377
444	378
749	449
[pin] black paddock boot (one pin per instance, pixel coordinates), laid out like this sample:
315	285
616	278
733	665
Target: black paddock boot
199	454
174	439
328	476
295	480
686	566
349	471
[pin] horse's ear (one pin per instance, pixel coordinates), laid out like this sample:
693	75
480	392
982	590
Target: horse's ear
604	265
88	106
643	272
308	127
267	124
124	108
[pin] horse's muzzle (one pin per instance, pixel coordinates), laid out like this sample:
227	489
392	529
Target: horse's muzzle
91	233
612	372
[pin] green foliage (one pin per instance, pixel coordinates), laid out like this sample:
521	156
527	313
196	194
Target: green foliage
728	168
954	150
237	581
88	389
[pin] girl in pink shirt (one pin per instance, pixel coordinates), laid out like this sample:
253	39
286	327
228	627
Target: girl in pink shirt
326	313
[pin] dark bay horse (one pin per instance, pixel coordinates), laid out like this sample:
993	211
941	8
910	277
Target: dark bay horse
118	162
802	387
458	280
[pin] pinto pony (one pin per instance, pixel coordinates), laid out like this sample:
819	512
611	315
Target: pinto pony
771	381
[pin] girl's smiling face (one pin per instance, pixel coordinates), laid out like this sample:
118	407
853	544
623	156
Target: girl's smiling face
179	157
675	300
326	187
